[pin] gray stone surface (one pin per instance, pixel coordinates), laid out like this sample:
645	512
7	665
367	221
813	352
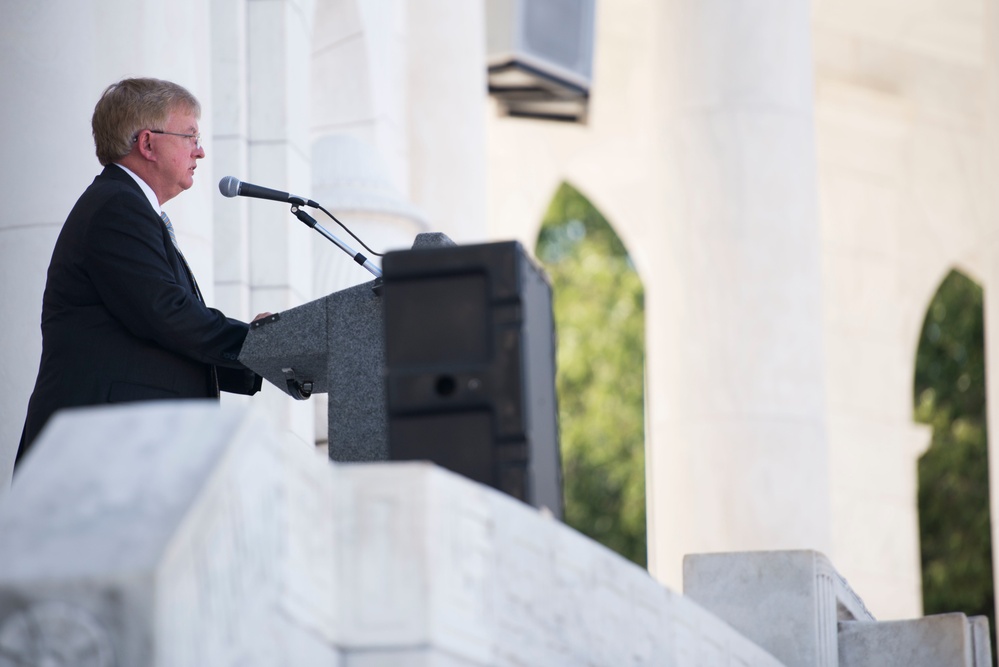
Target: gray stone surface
944	640
981	638
788	602
358	422
179	534
441	571
295	345
161	534
106	486
432	240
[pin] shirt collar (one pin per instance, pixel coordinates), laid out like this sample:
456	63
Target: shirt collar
146	190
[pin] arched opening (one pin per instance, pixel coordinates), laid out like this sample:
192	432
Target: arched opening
599	305
949	395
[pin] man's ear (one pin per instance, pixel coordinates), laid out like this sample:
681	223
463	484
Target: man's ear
144	144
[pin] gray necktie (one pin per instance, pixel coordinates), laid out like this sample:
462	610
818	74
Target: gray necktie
213	372
173	237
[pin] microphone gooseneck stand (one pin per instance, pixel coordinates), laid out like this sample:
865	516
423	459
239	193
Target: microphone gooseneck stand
309	221
231	187
303	390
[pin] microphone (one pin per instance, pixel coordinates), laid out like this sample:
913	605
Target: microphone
230	186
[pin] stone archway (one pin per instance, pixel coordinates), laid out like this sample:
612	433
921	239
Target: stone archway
949	396
599	304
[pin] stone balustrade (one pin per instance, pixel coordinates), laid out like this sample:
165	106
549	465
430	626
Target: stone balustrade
176	534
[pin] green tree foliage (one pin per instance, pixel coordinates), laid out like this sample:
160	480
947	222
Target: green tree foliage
599	318
953	474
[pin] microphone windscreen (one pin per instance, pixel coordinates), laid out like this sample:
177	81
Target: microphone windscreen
229	186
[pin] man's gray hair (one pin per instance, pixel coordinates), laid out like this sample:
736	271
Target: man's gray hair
130	106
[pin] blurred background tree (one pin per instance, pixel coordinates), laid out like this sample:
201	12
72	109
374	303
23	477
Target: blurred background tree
599	306
949	395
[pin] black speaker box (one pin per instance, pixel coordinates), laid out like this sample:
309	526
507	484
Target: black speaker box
470	367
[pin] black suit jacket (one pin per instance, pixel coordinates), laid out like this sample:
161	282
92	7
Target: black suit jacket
121	320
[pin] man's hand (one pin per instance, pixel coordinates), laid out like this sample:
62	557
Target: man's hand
261	316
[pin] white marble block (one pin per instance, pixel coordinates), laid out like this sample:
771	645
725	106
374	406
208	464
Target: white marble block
943	640
438	570
181	533
166	534
178	534
788	602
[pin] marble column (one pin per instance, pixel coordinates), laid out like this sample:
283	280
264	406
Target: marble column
737	458
446	120
991	277
398	130
268	100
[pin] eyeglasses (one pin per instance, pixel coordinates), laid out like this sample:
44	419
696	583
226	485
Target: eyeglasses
196	137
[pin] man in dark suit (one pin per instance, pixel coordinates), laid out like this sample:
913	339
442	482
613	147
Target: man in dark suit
122	315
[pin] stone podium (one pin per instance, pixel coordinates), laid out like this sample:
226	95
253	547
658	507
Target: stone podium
334	345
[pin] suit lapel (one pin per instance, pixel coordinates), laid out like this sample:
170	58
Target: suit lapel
181	271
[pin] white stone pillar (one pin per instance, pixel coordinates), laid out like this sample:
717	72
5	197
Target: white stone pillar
447	104
991	275
383	122
406	80
360	133
359	79
737	458
230	153
37	195
278	103
55	60
351	181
